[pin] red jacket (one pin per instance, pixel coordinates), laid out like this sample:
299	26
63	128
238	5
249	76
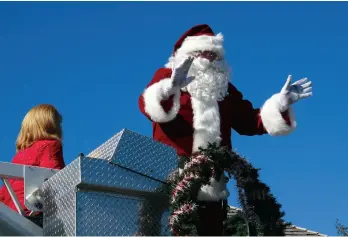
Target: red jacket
43	153
185	123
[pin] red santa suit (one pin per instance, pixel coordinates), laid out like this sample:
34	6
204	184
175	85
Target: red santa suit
186	122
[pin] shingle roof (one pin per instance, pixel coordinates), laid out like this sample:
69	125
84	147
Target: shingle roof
299	231
289	231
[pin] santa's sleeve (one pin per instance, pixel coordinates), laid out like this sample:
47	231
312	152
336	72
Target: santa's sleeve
247	120
159	101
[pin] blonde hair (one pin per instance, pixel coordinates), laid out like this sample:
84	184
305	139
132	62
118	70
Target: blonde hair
41	122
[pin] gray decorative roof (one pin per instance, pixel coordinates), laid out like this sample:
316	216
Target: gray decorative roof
299	231
289	231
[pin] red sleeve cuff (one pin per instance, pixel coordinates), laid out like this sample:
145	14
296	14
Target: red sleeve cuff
286	117
167	104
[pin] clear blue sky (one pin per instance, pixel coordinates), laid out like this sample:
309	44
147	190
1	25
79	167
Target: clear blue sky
92	60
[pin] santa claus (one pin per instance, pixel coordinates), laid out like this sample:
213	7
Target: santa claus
191	103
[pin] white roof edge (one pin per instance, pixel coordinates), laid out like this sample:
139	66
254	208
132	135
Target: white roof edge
294	226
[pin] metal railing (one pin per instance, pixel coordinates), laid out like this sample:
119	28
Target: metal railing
33	178
12	171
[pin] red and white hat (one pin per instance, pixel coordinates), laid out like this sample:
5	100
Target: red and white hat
198	38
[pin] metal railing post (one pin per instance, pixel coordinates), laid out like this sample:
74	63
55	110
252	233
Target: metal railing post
13	196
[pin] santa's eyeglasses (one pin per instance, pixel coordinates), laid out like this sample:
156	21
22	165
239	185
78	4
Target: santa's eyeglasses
211	56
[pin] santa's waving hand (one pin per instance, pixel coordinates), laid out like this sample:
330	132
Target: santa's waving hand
290	94
180	71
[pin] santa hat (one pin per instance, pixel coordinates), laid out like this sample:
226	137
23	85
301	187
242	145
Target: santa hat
198	38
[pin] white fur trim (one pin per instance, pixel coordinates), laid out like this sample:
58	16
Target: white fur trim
216	191
273	120
180	171
200	43
203	43
206	123
153	96
169	64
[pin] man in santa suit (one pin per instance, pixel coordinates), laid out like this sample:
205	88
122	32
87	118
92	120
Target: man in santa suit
191	102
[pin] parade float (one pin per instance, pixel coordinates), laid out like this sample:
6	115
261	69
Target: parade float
129	186
174	183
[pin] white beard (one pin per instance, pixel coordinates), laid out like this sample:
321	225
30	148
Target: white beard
210	80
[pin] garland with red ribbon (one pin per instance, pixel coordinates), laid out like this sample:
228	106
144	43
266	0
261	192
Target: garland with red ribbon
259	205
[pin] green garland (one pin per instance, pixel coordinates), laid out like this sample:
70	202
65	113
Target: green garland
236	226
259	205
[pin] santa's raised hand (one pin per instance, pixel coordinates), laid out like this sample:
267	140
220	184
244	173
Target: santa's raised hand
180	71
291	93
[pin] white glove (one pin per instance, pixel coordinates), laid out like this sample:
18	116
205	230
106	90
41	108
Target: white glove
290	94
179	74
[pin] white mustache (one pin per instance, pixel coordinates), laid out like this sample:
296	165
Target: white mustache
203	64
210	79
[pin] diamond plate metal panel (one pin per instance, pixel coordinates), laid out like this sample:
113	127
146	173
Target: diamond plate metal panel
101	172
65	179
70	211
107	149
111	195
139	153
59	219
60	201
107	214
